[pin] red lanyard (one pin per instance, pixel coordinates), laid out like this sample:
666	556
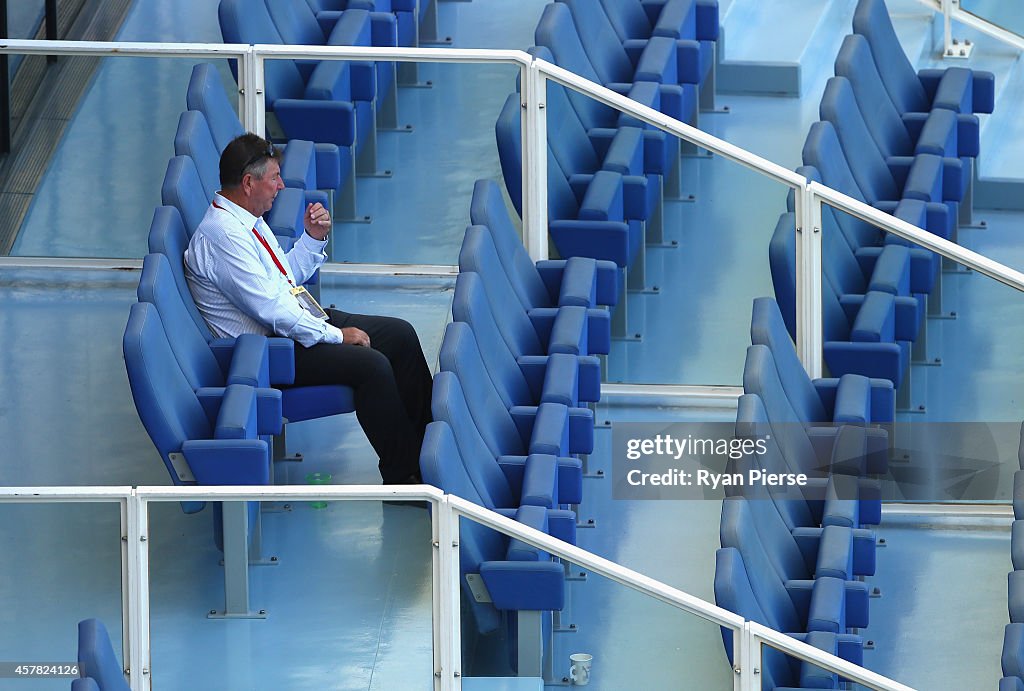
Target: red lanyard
266	245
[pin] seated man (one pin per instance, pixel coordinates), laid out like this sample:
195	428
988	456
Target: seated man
243	282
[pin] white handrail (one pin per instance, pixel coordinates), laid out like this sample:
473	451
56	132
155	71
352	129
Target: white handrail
445	514
967	18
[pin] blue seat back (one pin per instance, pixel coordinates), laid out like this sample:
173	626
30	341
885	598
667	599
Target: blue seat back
600	42
442	465
839	106
567	138
448	404
487	208
479	255
460	355
871	20
166	403
752	423
562	202
557	33
823	151
194	139
207	95
740	515
295	22
96	658
735	592
167	236
191	350
768	329
84	684
629	19
469	304
856	64
183	189
247	21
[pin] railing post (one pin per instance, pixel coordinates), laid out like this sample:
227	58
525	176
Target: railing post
953	47
251	105
136	645
809	341
447	618
533	95
746	660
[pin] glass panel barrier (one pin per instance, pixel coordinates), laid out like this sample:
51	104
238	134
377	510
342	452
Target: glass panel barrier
1003	14
340	593
62	564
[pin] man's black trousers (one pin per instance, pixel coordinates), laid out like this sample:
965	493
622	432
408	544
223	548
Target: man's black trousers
392	386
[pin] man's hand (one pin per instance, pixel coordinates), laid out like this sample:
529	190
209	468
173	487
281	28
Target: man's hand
354	336
317	221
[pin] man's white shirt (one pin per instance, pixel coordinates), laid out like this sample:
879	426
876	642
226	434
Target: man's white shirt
238	287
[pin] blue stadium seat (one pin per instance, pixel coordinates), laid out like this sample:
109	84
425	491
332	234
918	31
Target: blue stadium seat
862	334
509	481
406	13
762	598
840	400
578	281
518	577
842	462
85	684
569	329
926	177
96	657
771	551
503	429
328	168
955	88
591	225
334	106
470	305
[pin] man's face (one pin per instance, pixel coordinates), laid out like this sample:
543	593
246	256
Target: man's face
263	190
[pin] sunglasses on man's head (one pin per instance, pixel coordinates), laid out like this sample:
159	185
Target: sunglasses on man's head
260	155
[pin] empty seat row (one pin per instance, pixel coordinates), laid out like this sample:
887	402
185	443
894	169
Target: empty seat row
794	557
510	416
904	143
1013	635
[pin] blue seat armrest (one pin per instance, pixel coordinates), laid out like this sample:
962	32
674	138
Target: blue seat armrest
578	284
634	198
228	461
236	414
920	176
707	20
688	61
570	482
602	240
908	317
888	266
656	152
609	280
968	134
250	361
624	153
581	430
936	132
525	585
562	525
384	29
841	507
835	554
647	93
599	331
282	360
590	378
269	411
543	428
953	89
883	401
267	406
673	100
562	329
540	481
1018	494
603	197
676	19
984	95
812	676
535	517
883	360
534	368
876	319
328	166
864	550
820	602
657	60
857	599
561	380
329	121
952	179
316	197
853	400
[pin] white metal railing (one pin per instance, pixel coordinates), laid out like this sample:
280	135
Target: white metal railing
748	641
534	74
958	48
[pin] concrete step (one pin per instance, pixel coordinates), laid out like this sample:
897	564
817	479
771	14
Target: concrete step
769	47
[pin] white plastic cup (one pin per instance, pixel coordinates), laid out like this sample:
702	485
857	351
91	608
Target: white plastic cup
579	668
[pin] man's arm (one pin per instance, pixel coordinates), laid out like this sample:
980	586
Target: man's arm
307	255
239	274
